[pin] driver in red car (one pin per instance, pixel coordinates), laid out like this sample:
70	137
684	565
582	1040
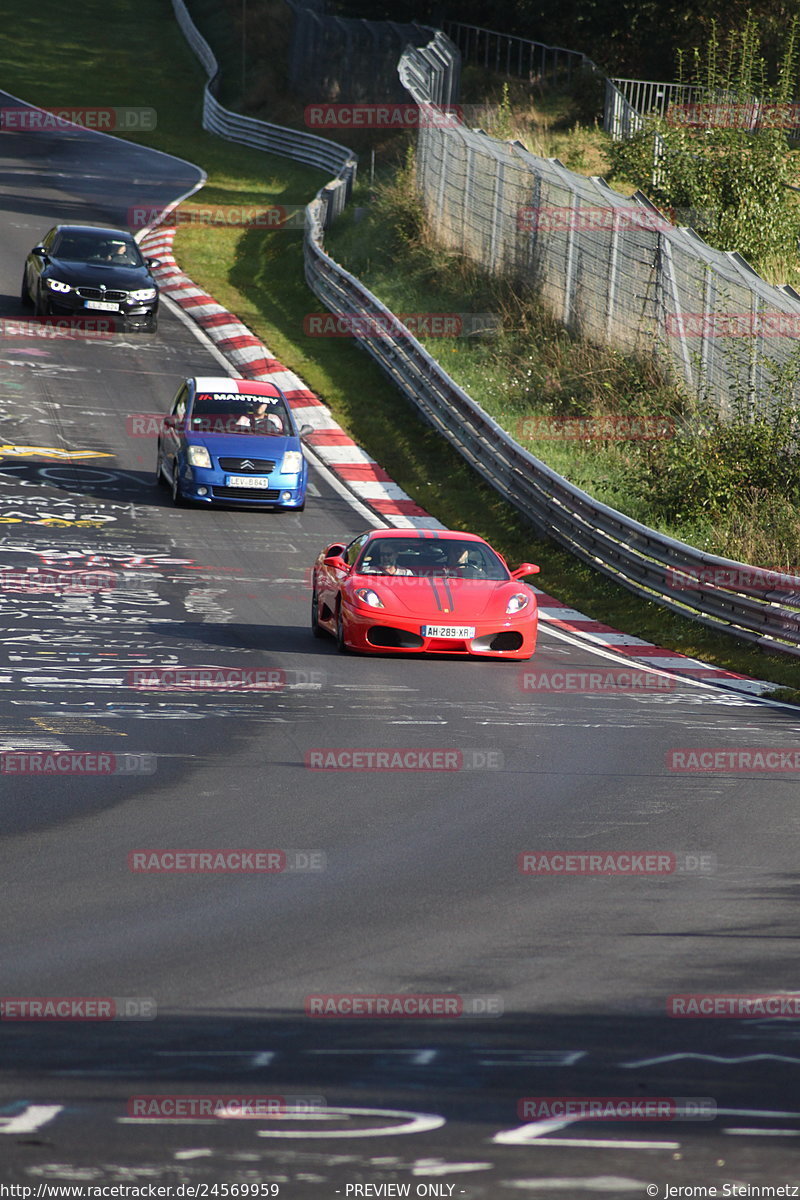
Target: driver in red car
383	561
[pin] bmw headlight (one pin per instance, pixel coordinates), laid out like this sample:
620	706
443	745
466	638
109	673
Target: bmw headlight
56	285
292	462
143	294
198	456
367	596
517	602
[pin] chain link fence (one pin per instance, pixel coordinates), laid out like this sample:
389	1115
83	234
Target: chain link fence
347	59
611	268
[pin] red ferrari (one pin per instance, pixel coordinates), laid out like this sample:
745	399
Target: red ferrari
423	591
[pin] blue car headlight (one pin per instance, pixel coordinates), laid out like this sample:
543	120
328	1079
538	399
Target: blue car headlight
198	456
292	462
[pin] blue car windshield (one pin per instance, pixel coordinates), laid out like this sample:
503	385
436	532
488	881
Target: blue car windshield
232	413
445	556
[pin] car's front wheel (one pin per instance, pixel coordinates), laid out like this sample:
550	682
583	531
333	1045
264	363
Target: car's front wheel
24	294
177	494
161	479
41	307
341	644
316	628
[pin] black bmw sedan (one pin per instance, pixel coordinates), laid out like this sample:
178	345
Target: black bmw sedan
81	270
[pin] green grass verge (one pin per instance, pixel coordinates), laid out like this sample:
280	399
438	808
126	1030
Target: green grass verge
137	51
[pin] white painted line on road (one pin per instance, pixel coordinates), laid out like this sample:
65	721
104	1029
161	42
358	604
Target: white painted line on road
414	1123
535	1058
718	1058
634	664
259	1058
598	1144
435	1166
30	1119
525	1135
743	1132
419	1058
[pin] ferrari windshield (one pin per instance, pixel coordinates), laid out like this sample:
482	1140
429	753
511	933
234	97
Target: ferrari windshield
97	248
445	556
232	412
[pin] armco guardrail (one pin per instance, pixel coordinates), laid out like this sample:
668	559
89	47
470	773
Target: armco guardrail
654	566
757	606
303	147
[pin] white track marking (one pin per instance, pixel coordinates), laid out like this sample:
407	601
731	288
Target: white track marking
743	1132
525	1135
414	1123
603	1144
419	1058
718	1058
435	1166
30	1119
535	1058
258	1058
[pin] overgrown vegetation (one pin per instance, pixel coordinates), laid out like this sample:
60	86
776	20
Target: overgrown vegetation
705	156
633	38
554	122
614	424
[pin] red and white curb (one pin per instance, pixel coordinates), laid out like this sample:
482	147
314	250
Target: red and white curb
372	485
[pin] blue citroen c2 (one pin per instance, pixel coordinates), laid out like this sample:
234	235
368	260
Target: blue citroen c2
232	441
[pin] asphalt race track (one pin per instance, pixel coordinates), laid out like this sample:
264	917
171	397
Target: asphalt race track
401	882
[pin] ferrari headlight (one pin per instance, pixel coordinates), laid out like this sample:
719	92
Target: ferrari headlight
143	294
367	596
292	462
517	602
56	285
198	456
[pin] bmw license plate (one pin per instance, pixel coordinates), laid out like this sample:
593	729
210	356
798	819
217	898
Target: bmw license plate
247	481
102	305
459	632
